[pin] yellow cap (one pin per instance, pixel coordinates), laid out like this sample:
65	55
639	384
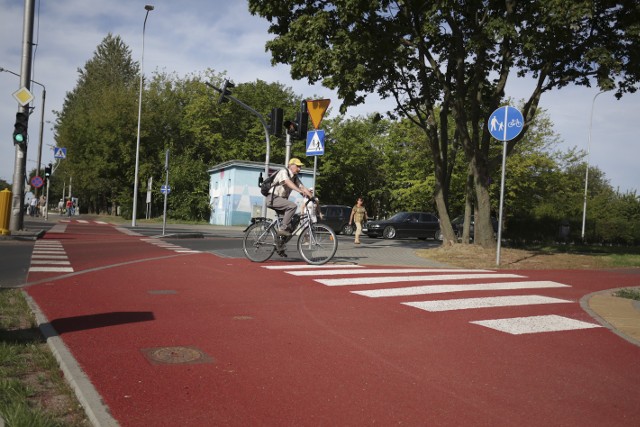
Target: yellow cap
296	161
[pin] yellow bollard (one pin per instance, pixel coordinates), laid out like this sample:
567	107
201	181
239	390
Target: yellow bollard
5	211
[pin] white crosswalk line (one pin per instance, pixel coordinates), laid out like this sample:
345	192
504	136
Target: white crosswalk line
48	256
392	279
49	262
535	324
342	272
439	289
470	303
307	266
51	269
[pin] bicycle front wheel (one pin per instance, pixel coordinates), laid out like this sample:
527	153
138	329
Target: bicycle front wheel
259	242
317	244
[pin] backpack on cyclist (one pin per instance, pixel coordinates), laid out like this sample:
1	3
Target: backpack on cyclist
267	184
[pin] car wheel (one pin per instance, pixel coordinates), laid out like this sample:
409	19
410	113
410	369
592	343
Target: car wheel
389	232
347	230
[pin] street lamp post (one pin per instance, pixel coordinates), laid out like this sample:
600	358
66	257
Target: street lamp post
586	175
148	8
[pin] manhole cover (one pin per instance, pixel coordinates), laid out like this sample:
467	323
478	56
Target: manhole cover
162	292
175	355
242	318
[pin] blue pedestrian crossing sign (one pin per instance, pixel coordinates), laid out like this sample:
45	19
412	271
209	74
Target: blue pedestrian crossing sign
60	153
505	123
315	143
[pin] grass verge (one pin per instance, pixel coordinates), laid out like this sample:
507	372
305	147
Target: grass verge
33	391
633	294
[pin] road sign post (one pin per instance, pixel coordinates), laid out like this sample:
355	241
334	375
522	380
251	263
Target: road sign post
504	124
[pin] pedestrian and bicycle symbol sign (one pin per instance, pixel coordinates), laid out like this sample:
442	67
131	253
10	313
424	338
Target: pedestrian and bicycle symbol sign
315	143
506	123
60	153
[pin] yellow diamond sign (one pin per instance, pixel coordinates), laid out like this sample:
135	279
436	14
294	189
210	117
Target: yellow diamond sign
316	109
23	96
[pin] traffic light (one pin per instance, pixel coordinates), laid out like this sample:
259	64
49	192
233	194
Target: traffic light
20	128
276	121
47	171
298	127
303	121
225	91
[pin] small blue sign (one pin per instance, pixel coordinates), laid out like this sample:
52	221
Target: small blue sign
165	189
315	143
505	123
60	153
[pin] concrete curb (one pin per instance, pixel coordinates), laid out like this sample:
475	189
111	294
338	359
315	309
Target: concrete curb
91	401
620	315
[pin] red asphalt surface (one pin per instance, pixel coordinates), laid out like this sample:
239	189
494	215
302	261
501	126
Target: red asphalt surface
285	350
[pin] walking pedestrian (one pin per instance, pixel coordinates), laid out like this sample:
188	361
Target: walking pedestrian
359	216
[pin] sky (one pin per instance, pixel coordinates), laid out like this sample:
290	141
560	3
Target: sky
190	36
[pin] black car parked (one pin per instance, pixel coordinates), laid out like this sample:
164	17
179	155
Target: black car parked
422	225
337	217
458	224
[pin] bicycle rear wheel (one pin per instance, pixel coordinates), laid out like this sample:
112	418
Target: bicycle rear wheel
259	242
317	244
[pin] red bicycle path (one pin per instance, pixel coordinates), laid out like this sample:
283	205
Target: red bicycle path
285	350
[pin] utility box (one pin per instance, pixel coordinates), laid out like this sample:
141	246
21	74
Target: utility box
5	211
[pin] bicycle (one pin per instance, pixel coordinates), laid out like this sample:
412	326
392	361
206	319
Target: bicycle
317	243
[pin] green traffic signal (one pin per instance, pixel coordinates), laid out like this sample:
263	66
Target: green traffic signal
20	128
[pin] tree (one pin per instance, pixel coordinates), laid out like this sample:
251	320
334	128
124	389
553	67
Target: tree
449	62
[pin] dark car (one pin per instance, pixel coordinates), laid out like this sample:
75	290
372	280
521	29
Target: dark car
337	217
422	225
458	224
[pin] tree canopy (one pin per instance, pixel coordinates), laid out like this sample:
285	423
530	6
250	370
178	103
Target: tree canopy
447	63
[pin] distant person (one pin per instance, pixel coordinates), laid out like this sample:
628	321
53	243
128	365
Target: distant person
359	216
285	182
69	207
43	205
33	207
61	206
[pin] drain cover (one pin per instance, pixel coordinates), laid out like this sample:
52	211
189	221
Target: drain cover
175	355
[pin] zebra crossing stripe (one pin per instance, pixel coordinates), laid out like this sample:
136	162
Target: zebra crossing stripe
433	277
383	271
51	269
468	303
535	324
47	256
307	266
49	262
439	289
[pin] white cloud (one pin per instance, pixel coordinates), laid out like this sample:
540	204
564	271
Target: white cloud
194	35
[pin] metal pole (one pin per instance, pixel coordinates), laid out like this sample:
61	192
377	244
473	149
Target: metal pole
46	206
20	163
148	8
504	167
44	95
586	174
166	191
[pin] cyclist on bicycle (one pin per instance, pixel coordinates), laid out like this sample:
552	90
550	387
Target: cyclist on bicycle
285	182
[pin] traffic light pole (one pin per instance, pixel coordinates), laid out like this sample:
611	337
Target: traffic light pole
17	201
266	133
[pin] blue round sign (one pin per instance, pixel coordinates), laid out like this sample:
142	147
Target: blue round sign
505	123
165	189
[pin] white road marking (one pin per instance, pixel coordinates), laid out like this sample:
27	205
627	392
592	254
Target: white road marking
535	324
307	266
51	269
383	271
82	221
439	289
101	222
467	303
49	262
38	256
391	279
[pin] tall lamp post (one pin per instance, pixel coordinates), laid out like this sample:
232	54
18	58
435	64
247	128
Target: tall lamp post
148	8
586	175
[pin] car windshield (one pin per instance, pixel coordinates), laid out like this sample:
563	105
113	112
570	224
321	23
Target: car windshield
399	217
